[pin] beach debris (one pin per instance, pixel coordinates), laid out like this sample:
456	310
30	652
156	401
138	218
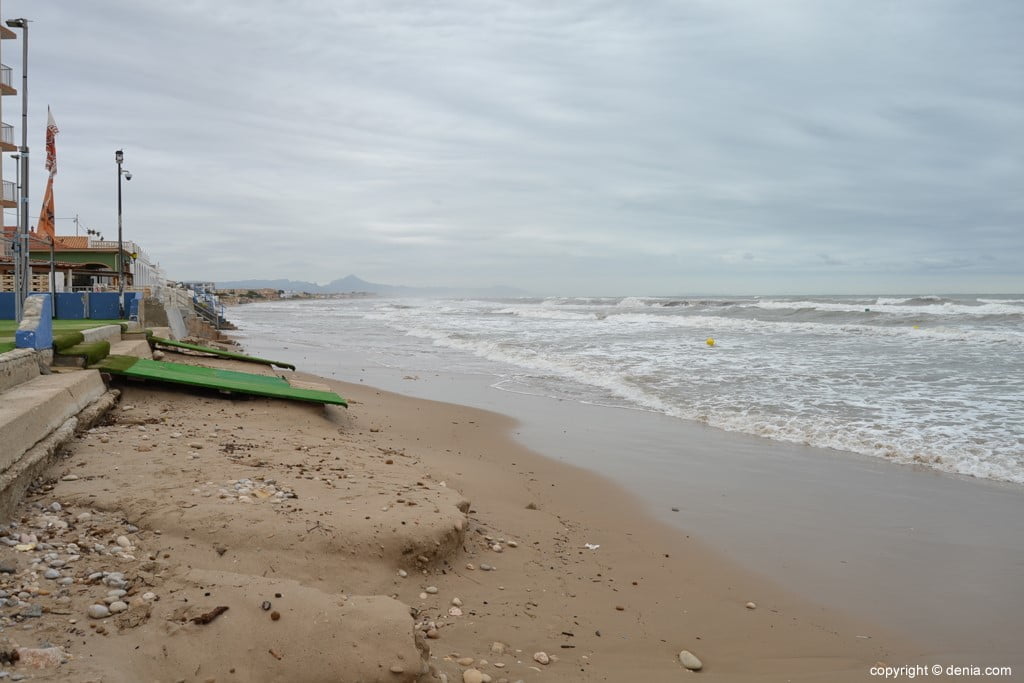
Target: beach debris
690	660
211	615
591	546
265	605
275	654
41	657
710	341
531	506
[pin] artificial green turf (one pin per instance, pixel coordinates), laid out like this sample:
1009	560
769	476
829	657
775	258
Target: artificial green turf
93	352
65	340
8	327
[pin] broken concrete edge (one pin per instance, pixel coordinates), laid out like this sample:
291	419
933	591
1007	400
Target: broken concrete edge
16	479
17	366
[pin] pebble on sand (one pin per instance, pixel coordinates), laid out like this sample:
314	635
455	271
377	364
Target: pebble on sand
98	611
751	605
472	676
690	661
541	658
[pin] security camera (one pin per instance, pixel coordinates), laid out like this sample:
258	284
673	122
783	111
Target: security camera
127	175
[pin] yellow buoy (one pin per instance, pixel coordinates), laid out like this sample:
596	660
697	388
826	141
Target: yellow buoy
710	342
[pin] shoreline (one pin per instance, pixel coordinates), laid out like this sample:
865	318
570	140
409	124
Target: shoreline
396	485
931	555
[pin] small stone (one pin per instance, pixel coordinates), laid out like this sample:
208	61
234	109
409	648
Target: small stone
124	542
472	676
486	567
690	661
149	596
465	661
751	605
84	517
496	547
98	611
431	589
541	658
455	611
69	477
51	574
423	596
397	669
433	634
512	544
118	606
497	648
403	573
457	602
470	566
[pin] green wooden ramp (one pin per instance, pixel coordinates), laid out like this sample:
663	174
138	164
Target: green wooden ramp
171	345
212	378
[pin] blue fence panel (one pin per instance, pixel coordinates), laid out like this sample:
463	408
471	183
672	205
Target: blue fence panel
104	306
72	305
7	305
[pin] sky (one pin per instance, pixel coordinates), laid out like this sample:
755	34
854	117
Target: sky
573	147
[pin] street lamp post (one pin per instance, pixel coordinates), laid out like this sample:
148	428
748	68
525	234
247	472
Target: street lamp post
22	274
119	158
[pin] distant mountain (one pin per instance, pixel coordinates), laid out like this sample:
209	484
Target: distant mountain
352	283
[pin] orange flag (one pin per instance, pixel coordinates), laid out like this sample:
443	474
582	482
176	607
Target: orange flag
45	226
46	216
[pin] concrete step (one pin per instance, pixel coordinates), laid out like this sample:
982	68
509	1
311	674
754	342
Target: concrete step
131	347
30	411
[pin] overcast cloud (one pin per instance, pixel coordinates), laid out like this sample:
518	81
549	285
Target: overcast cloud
577	147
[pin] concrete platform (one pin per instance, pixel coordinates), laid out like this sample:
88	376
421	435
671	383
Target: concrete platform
110	333
32	410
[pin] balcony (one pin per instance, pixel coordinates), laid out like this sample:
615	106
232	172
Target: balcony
6	87
9	200
6	33
7	138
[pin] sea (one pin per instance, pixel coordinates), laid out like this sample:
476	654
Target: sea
933	380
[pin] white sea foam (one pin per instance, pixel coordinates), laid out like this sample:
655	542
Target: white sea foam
944	391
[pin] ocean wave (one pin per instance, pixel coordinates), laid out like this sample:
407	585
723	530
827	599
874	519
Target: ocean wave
906	441
919	306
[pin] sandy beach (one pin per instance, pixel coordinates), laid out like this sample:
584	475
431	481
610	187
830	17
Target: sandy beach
401	539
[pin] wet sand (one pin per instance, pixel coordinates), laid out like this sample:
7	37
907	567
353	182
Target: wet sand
934	557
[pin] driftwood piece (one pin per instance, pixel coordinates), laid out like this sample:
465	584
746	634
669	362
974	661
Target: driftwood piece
210	616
